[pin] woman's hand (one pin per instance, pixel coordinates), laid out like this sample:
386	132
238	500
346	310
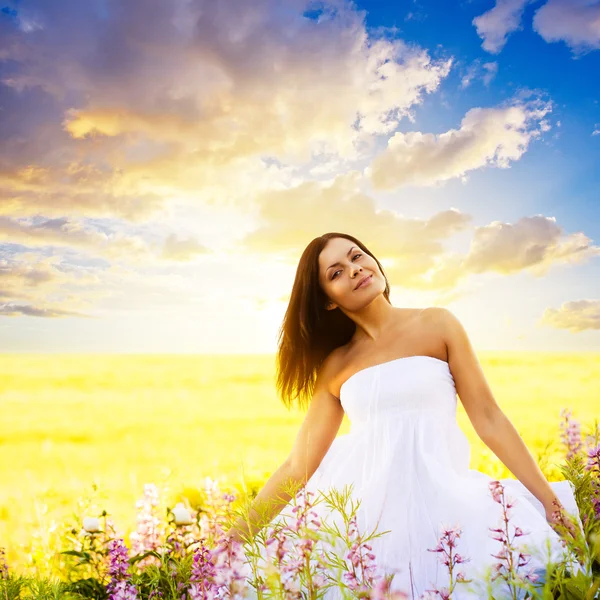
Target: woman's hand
565	526
561	522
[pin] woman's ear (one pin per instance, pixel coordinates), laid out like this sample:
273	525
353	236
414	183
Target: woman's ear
330	305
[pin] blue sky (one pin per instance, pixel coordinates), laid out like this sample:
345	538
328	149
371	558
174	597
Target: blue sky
163	165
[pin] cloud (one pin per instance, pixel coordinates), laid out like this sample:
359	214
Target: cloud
495	25
487	137
182	249
69	233
48	285
532	243
24	310
120	113
288	218
486	72
415	248
596	129
575	22
42	283
576	316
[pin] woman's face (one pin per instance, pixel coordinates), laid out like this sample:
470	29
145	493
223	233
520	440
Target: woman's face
342	264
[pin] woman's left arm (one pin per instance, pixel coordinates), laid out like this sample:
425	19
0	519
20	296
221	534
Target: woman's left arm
490	423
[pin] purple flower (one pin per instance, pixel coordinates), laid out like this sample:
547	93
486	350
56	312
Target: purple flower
119	558
593	465
203	574
120	586
570	433
123	590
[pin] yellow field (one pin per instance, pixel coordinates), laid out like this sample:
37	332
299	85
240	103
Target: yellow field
122	421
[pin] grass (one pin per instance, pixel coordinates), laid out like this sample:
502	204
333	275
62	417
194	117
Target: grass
121	421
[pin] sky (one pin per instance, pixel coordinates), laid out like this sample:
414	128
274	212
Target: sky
164	164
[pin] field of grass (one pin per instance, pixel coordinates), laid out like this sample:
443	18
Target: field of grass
69	421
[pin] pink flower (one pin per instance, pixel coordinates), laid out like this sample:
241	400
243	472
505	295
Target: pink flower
148	533
570	433
447	543
510	557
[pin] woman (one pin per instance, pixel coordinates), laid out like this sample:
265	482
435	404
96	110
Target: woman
396	372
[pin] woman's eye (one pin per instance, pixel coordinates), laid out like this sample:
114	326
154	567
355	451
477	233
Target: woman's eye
335	274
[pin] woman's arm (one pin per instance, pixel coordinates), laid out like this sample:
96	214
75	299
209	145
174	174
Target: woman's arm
316	434
490	423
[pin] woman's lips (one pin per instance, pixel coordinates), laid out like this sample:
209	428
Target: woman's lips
365	282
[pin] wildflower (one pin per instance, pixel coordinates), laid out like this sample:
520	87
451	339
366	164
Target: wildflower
230	572
147	535
510	557
593	465
202	576
446	547
293	557
120	586
362	574
570	433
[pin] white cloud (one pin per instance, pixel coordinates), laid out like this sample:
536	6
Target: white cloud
486	72
487	137
576	22
495	25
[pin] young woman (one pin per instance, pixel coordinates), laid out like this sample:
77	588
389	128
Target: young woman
395	372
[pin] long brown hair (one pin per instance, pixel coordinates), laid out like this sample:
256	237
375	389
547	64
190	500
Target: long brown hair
309	332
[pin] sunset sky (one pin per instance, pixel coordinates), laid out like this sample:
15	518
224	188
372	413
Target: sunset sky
164	164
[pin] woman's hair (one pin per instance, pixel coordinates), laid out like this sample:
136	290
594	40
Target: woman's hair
309	332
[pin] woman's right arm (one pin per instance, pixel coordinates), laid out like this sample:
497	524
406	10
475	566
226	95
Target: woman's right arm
316	434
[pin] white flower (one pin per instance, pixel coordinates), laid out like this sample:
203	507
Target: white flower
91	524
182	515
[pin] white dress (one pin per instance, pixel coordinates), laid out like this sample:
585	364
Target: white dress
408	461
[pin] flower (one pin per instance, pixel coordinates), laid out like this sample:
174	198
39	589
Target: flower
91	524
148	532
570	433
182	515
120	586
446	546
510	557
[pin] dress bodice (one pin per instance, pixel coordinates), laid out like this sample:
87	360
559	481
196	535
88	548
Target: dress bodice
410	383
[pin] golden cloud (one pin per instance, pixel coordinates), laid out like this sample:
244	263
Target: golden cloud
576	316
